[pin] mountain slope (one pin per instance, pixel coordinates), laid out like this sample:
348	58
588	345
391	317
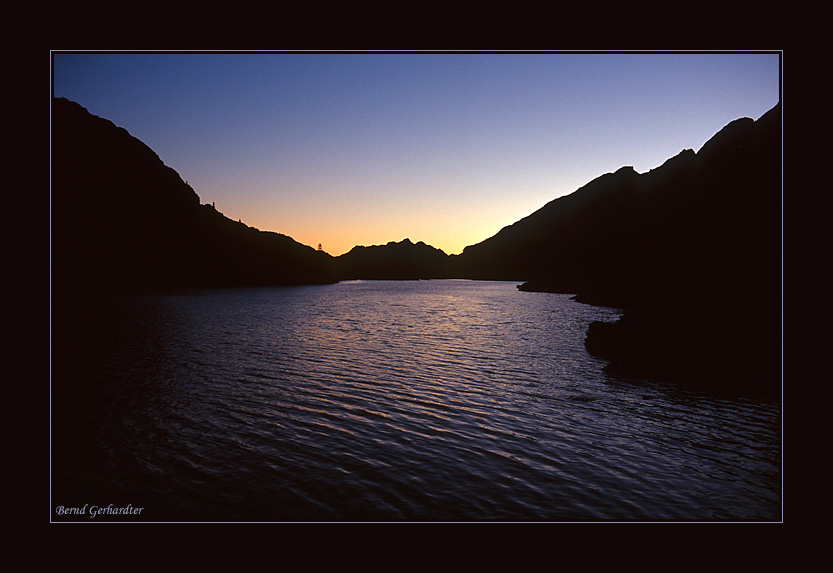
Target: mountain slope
122	219
624	235
400	261
692	249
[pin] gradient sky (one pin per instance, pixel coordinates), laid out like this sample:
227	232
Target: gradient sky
446	148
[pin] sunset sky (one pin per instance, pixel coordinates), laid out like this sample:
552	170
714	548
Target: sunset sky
349	149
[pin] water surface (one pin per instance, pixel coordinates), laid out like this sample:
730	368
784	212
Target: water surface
385	401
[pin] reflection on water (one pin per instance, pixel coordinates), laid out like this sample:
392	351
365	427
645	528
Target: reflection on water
425	400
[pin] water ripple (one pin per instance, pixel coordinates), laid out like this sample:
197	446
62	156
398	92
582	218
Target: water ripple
440	400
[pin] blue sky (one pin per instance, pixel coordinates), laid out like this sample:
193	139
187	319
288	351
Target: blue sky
446	148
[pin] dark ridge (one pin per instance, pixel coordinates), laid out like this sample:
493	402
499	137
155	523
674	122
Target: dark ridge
691	249
394	261
122	220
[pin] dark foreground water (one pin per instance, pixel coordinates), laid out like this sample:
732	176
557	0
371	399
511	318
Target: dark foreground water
383	401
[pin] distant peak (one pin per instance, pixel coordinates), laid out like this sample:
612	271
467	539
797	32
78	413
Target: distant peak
404	242
624	171
681	158
731	134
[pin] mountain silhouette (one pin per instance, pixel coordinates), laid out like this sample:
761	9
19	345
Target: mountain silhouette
394	261
624	235
692	250
121	219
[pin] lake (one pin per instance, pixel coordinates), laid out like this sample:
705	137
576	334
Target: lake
384	401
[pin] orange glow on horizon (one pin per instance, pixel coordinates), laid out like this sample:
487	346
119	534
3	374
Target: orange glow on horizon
450	231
